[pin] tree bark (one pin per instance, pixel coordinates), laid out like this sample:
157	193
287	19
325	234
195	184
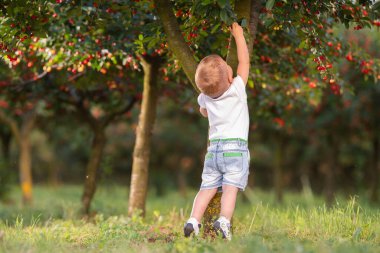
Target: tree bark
141	152
97	148
6	138
175	40
22	137
244	9
375	167
5	171
25	158
25	169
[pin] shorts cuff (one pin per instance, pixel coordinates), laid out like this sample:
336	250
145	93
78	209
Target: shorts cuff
241	188
210	186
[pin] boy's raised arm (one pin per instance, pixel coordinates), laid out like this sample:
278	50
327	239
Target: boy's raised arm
242	52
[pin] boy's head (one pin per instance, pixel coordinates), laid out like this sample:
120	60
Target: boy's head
213	76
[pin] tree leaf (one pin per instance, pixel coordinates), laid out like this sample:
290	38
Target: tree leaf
223	15
222	3
269	4
243	22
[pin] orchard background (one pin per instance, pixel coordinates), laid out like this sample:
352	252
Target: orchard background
101	94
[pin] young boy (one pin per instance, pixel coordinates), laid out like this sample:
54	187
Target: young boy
224	101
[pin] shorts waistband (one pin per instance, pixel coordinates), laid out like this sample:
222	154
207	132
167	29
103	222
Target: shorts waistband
228	139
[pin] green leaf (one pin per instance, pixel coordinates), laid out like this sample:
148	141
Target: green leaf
215	28
303	44
222	3
243	22
269	4
223	15
250	83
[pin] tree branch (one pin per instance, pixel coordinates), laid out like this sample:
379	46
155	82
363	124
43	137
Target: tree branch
253	22
34	79
175	39
75	77
29	121
110	117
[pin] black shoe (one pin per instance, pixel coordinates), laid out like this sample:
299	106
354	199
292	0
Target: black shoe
189	229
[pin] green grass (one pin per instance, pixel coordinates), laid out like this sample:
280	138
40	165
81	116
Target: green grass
300	224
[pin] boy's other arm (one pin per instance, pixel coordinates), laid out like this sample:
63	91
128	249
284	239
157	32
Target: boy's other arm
203	111
242	52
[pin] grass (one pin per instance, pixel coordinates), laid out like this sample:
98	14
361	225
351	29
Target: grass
300	224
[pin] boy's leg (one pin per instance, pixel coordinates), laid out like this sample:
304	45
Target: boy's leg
199	206
228	201
201	201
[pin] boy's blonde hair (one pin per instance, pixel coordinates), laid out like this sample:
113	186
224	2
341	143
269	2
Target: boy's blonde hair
210	73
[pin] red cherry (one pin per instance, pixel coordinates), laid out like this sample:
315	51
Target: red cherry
178	13
279	121
321	68
349	57
4	104
312	85
365	71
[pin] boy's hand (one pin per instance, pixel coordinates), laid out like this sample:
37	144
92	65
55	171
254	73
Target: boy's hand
242	52
236	30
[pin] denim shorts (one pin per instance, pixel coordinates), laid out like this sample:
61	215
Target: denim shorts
226	163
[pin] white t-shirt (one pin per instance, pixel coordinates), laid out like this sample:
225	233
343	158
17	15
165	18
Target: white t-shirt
228	114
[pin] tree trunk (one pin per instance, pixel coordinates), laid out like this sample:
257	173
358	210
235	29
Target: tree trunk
96	154
211	214
175	40
5	171
243	10
375	167
25	166
25	158
278	168
141	152
6	138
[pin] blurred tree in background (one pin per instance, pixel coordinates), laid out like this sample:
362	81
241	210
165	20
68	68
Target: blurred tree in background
110	73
